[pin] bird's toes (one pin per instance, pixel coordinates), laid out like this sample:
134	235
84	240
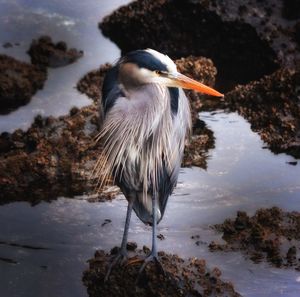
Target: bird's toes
159	266
119	259
123	260
150	258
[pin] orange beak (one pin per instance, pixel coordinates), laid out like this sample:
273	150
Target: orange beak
187	83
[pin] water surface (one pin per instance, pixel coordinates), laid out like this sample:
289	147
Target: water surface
240	176
72	21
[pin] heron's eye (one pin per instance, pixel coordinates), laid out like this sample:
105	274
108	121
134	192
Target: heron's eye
159	72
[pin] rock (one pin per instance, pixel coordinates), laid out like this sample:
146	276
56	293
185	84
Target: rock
182	278
271	234
160	236
91	83
131	246
19	81
198	68
241	221
55	157
271	105
196	149
45	53
291	255
183	28
5	142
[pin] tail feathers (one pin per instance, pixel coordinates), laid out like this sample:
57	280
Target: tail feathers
143	209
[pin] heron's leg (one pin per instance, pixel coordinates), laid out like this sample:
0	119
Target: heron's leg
153	255
123	249
122	254
154	223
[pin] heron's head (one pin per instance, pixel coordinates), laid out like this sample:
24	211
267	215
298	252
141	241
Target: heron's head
149	66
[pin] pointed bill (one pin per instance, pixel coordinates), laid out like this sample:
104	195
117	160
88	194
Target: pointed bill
188	83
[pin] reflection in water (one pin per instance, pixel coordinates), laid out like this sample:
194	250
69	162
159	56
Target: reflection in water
72	229
23	20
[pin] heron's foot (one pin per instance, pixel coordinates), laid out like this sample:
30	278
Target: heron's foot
118	259
153	257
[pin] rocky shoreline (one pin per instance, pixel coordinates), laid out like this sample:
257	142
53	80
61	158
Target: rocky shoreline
251	45
181	277
19	81
270	103
57	155
271	234
45	53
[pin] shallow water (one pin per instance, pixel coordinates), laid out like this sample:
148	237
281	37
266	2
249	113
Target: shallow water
73	22
240	176
43	249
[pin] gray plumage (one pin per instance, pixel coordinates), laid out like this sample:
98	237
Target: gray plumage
142	135
145	118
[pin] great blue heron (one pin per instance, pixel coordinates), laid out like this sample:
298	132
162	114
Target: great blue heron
146	116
